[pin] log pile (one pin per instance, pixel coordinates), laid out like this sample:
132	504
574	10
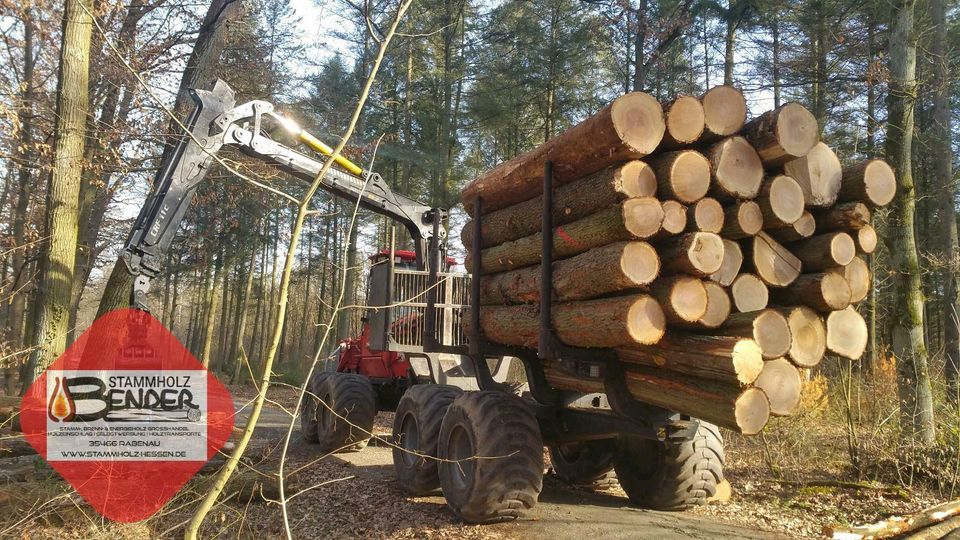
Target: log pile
717	257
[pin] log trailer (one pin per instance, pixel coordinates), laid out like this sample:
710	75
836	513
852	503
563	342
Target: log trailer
460	425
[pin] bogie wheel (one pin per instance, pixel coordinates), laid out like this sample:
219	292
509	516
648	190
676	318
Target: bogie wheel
491	457
416	428
673	474
345	423
587	464
308	407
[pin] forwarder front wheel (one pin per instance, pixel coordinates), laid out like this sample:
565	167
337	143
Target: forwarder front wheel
416	429
671	475
491	457
345	414
309	421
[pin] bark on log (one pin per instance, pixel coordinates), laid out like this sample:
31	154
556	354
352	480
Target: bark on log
737	170
604	322
629	128
802	228
847	333
781	202
683	175
683	298
818	174
705	215
697	254
773	263
683	117
809	336
783	134
633	219
767	327
571	202
718	305
607	269
742	220
561	380
823	292
872	182
782	383
724	112
674	220
857	276
898	526
730	267
845	217
742	410
749	293
866	239
732	360
825	251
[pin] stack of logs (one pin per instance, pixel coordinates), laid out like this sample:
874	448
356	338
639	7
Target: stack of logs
718	267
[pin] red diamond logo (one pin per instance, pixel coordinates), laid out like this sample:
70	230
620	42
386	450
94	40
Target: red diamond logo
127	415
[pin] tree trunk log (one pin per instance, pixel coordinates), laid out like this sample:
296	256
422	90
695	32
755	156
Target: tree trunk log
773	263
705	215
818	174
731	360
631	127
783	134
742	220
683	117
724	112
824	292
630	220
683	175
808	336
602	270
749	293
782	383
857	276
697	254
767	327
866	240
674	219
845	217
825	251
872	182
571	202
802	228
561	380
605	322
847	333
781	202
730	267
718	306
743	410
737	170
683	298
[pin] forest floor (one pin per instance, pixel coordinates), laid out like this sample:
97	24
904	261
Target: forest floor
355	495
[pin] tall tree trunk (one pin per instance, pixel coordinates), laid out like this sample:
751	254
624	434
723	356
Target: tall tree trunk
241	320
639	46
730	40
916	402
942	169
56	279
211	315
871	83
349	285
775	32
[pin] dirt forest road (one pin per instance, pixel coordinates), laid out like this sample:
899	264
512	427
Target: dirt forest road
562	512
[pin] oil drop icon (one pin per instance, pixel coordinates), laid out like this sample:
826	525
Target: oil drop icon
61	407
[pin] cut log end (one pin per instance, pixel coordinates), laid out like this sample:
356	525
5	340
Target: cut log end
706	215
742	220
747	360
783	134
638	120
857	276
772	333
783	202
640	263
774	264
809	337
847	333
724	111
684	119
645	321
637	179
683	298
819	175
683	175
782	383
752	411
749	293
866	240
643	216
737	169
674	218
697	253
880	182
718	305
842	249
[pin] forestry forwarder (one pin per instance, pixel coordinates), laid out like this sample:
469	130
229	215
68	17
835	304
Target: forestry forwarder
417	356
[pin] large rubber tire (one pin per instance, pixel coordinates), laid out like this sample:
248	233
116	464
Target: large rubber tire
491	457
308	408
587	464
671	475
416	429
354	402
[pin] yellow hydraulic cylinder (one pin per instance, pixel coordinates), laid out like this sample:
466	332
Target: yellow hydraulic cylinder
319	146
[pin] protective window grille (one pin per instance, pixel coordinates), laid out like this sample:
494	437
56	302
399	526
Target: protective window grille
409	306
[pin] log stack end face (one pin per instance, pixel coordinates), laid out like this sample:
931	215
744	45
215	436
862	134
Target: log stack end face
880	182
637	179
797	129
685	120
752	411
724	110
646	322
638	119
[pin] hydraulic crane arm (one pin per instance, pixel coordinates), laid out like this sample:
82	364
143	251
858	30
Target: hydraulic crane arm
216	122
